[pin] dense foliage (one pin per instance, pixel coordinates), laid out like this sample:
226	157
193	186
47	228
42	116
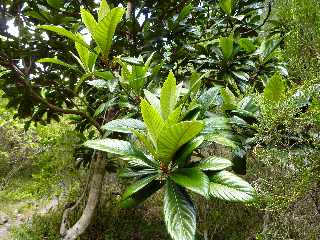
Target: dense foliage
173	95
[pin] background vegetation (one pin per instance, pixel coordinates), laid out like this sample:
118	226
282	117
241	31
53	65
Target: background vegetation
282	160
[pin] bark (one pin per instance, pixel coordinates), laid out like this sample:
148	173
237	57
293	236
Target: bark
94	194
129	9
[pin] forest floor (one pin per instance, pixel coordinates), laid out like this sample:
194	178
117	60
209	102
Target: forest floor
17	213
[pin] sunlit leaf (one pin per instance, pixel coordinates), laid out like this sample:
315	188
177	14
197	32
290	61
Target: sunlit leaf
193	179
230	187
179	213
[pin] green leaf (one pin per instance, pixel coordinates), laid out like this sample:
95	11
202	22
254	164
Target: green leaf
152	99
124	125
185	151
133	61
241	75
141	195
148	62
106	75
268	47
103	31
209	97
89	21
88	58
275	88
146	142
174	117
56	3
222	138
98	83
137	78
171	138
152	119
247	45
168	96
104	106
104	10
57	61
226	6
186	10
179	213
115	146
83	53
129	173
229	100
64	32
213	163
144	164
137	185
230	187
4	72
226	45
215	124
192	113
193	179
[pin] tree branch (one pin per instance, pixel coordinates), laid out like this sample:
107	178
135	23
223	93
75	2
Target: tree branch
21	76
264	21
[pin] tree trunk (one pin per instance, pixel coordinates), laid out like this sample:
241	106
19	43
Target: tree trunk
94	193
130	9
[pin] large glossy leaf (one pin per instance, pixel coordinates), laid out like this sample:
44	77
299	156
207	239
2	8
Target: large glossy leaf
142	163
146	141
193	179
229	100
103	10
171	138
89	21
152	119
247	45
215	124
230	187
185	151
222	138
64	32
213	163
241	75
57	61
184	13
137	78
141	195
106	75
103	31
125	125
274	89
56	3
115	146
84	54
152	99
179	213
129	172
209	97
88	58
137	185
174	116
226	45
268	48
133	61
168	97
226	6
